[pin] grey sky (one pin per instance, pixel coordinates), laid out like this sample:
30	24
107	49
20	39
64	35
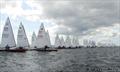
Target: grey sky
82	15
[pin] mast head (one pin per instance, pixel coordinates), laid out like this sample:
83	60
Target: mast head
42	27
7	21
47	31
57	35
8	18
20	26
34	33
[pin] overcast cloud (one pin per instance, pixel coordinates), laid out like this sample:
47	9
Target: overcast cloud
81	15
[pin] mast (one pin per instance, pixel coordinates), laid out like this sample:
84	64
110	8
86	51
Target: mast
7	35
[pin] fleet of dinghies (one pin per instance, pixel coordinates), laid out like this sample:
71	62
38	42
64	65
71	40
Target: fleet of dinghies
41	40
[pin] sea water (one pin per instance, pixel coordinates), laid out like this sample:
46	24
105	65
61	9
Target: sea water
65	60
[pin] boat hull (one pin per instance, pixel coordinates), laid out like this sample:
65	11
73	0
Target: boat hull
14	50
46	50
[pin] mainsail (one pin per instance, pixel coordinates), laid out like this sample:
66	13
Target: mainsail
33	40
42	37
68	42
22	40
57	41
89	43
62	42
7	35
75	42
48	39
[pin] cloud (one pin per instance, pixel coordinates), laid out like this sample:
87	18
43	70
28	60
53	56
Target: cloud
9	3
82	15
18	8
75	16
105	34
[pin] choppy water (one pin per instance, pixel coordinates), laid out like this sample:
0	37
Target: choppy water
73	60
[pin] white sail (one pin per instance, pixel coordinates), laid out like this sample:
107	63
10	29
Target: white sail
33	40
92	43
68	42
22	40
73	42
48	39
57	41
86	42
89	43
77	42
41	37
62	42
7	35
